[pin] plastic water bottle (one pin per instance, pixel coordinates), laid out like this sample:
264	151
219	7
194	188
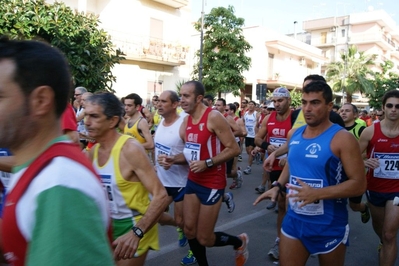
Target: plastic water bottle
396	201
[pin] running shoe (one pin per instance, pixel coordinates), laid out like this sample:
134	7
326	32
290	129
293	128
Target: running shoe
242	252
189	259
229	202
273	252
248	170
239	158
240	180
234	185
183	241
260	189
271	205
365	216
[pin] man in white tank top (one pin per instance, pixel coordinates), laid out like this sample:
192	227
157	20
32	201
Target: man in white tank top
250	124
172	167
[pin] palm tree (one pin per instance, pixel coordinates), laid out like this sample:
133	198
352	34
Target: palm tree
352	73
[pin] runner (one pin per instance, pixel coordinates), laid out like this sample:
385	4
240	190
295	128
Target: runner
250	117
209	144
317	219
382	143
349	112
55	208
136	126
172	168
128	178
275	128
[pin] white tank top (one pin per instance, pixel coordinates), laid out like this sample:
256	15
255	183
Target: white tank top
167	141
250	123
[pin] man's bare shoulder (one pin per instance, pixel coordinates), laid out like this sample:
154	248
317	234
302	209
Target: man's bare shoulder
132	147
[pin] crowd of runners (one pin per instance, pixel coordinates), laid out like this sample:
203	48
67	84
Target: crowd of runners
91	180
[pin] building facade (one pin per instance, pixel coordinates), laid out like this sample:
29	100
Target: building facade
153	36
373	32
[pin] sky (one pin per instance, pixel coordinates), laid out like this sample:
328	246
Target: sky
279	15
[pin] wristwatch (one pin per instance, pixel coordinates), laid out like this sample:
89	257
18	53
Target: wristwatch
209	162
280	187
138	232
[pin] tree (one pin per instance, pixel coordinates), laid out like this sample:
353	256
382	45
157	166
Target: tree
224	49
352	73
383	82
87	47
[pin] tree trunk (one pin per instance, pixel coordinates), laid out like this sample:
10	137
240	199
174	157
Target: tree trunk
348	98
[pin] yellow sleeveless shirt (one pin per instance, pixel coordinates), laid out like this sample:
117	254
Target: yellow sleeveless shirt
134	131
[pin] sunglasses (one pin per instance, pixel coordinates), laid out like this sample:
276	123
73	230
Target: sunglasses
226	110
264	107
378	115
390	105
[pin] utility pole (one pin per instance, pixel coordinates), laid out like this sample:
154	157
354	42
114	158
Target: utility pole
202	42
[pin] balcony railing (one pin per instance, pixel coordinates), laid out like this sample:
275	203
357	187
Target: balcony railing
372	37
147	49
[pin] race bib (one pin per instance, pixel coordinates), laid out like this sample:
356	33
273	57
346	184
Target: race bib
315	208
162	149
389	165
192	151
106	180
278	142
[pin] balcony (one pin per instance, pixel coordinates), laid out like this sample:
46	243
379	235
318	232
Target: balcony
173	3
147	49
378	38
395	53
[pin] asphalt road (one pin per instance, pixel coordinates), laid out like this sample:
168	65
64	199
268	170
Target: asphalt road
260	225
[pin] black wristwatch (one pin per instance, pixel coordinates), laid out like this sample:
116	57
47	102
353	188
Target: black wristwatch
209	162
280	187
138	232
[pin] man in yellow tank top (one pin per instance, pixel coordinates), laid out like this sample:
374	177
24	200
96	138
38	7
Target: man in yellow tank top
128	178
136	126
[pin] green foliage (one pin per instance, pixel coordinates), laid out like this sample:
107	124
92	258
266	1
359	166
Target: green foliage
296	98
224	49
178	85
383	82
87	48
352	73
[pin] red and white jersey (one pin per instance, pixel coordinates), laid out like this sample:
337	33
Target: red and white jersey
386	177
202	144
277	132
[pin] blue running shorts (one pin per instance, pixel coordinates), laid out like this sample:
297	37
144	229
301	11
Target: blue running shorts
317	238
207	196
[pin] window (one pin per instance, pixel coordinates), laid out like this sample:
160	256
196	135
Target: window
343	33
156	28
323	38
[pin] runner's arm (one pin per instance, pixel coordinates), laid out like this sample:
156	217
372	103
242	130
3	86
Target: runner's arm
145	130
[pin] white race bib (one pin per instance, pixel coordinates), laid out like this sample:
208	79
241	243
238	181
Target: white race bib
192	151
389	165
315	208
278	142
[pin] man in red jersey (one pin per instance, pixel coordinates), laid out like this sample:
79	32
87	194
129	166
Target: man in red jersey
382	143
276	126
209	144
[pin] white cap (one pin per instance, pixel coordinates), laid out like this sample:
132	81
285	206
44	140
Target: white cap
270	105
